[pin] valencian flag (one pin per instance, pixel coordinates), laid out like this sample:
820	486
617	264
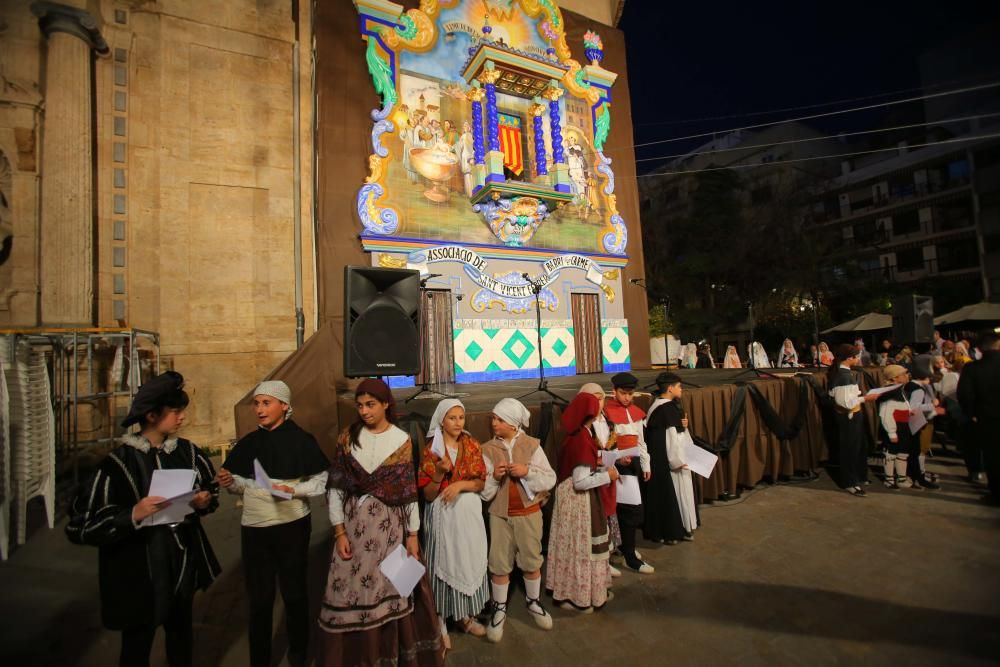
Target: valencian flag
510	143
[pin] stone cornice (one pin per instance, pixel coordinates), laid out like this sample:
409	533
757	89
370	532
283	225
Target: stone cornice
56	17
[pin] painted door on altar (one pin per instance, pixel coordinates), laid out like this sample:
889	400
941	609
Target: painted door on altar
587	333
437	344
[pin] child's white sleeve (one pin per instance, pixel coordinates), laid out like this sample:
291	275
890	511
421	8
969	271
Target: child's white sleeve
541	476
491	485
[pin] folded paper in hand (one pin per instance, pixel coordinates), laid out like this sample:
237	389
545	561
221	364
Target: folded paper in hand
699	461
265	482
610	456
177	486
403	572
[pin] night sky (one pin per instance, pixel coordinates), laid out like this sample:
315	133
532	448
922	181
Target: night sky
692	60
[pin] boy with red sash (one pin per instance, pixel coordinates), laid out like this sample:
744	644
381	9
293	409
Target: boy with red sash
627	420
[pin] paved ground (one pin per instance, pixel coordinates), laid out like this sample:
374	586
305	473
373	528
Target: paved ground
788	575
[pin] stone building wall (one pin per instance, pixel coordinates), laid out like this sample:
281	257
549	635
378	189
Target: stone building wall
194	186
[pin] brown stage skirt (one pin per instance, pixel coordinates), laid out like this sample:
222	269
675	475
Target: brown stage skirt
366	622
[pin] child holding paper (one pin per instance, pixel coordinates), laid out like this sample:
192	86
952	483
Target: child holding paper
627	420
518	482
605	438
666	416
452	473
578	574
276	523
148	574
373	509
847	402
894	420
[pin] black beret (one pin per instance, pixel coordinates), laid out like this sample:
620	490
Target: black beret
151	394
624	381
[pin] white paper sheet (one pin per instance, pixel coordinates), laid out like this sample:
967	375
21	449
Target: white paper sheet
627	492
527	491
699	461
882	390
437	445
176	486
917	420
264	481
610	456
403	572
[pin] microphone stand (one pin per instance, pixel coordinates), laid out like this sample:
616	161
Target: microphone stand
543	385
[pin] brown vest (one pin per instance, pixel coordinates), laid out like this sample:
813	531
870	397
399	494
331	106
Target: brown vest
524	449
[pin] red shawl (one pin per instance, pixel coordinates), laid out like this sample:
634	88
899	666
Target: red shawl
579	448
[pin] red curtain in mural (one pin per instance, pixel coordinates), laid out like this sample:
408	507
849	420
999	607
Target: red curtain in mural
510	143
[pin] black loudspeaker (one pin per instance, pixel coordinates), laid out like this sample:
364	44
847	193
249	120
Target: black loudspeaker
913	319
381	315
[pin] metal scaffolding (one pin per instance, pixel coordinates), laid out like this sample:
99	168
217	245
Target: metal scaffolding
93	373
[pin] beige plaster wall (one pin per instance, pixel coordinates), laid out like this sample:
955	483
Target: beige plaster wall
194	225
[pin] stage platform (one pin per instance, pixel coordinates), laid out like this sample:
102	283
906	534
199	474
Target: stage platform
480	397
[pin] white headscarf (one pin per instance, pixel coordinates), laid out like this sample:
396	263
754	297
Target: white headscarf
434	432
592	388
732	358
278	390
759	356
601	427
793	360
513	412
690	358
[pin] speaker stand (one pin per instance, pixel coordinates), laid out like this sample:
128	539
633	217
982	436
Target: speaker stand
425	387
543	385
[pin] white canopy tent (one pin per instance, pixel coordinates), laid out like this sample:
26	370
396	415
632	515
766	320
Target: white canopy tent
867	322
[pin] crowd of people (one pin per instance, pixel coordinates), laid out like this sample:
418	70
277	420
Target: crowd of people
618	470
699	355
928	389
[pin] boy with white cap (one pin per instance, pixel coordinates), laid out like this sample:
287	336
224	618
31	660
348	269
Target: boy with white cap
518	480
276	522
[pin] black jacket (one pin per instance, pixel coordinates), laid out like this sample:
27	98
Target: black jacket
141	570
979	387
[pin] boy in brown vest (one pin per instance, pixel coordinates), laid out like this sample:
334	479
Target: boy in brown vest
518	482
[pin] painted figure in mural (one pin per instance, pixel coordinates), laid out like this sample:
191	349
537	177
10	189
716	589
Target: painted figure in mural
464	149
577	172
408	135
449	133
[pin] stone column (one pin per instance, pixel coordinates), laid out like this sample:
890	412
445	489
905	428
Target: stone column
67	169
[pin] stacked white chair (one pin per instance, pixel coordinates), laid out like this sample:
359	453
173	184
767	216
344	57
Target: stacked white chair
5	486
32	429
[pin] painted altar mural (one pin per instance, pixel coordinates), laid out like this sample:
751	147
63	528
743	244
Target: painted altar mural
487	163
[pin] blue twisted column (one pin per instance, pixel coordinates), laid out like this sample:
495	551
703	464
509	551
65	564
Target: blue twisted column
492	117
537	111
478	149
494	157
561	181
555	124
